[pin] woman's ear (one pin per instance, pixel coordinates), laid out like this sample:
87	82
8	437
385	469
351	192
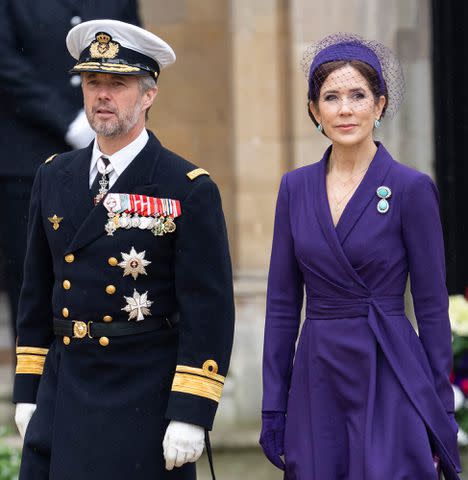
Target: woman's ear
314	111
380	106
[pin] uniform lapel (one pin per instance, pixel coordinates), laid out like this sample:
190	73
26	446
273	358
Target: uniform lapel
365	193
75	182
139	172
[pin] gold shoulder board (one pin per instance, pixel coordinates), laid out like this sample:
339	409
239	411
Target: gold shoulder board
51	158
196	173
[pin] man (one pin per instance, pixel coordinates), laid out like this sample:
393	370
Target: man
41	109
126	312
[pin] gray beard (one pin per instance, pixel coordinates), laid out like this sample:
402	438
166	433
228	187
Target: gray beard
114	128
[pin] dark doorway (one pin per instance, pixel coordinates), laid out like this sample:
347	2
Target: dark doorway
450	80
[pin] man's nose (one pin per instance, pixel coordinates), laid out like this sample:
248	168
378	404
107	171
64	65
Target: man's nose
103	92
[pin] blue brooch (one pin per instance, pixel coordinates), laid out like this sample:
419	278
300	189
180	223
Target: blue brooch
384	193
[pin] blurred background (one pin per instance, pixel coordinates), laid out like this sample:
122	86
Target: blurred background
235	104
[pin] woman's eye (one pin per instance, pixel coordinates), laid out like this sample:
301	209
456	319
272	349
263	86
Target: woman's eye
359	96
329	98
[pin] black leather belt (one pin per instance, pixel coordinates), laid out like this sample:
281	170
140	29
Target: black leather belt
90	329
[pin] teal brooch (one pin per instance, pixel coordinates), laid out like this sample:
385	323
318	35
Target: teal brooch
384	193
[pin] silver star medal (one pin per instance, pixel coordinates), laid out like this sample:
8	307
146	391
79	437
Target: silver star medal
137	306
134	263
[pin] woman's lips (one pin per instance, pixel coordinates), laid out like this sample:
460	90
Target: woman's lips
346	127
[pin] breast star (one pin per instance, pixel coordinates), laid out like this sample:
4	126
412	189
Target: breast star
137	306
134	263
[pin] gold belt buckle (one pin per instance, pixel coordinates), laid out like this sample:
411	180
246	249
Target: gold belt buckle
81	329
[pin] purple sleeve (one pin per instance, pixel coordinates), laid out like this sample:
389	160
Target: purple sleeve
284	304
423	237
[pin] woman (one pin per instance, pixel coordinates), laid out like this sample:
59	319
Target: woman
365	398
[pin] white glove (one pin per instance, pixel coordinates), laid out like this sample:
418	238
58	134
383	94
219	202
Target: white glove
79	132
183	442
23	413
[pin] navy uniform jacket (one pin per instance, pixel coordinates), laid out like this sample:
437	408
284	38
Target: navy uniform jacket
111	404
38	97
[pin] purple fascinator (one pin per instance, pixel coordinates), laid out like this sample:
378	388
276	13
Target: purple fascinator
348	46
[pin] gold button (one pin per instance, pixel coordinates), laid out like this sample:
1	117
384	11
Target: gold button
65	312
66	284
66	340
70	258
113	261
107	318
110	289
104	341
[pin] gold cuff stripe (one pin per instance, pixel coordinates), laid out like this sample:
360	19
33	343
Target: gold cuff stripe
196	173
32	350
32	364
195	385
201	372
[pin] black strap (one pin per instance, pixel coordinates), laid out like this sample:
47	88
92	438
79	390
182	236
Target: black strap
116	329
209	454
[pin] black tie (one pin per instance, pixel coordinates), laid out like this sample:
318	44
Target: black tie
101	182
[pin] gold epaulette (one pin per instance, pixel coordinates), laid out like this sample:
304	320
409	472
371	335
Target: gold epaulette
196	173
204	382
30	360
51	158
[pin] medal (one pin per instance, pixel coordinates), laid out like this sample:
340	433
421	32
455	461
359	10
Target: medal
169	225
135	221
137	306
134	263
140	211
144	222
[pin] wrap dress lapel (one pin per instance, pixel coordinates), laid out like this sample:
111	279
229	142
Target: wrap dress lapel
90	220
364	194
408	370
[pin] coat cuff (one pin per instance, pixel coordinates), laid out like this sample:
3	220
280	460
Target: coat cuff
29	369
195	394
25	388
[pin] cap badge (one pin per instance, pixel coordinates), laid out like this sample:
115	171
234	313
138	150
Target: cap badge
103	47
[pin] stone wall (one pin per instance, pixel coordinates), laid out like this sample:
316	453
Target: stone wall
235	103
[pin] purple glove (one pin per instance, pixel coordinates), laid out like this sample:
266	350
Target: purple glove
272	437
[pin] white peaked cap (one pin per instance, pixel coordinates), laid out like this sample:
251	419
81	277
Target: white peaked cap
111	46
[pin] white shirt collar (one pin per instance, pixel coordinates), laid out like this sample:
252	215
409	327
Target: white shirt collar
121	159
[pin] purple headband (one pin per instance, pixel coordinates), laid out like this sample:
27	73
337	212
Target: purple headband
346	51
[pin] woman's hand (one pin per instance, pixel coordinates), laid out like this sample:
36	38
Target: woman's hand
272	437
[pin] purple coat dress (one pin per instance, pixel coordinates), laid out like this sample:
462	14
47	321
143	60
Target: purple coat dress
365	397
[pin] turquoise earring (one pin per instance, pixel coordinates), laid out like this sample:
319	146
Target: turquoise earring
377	123
320	128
